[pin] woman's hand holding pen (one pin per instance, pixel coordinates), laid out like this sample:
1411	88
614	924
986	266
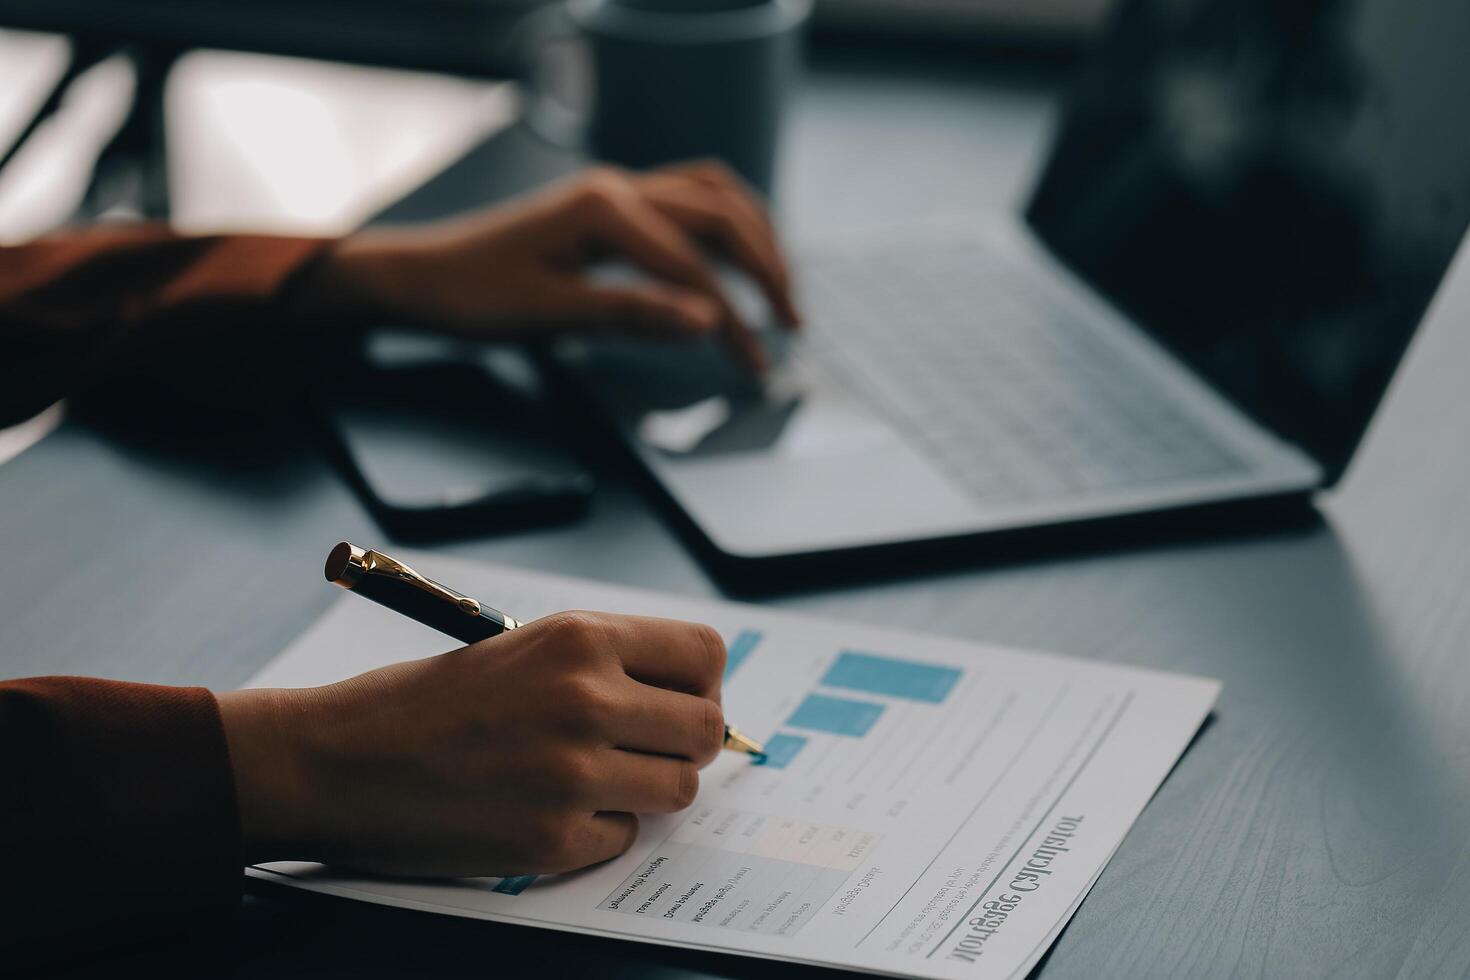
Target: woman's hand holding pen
520	269
527	753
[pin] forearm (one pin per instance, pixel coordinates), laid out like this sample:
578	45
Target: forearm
88	308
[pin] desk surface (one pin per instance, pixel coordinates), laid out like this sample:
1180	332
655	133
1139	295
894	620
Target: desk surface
1320	824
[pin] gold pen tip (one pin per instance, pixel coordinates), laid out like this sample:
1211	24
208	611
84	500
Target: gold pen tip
741	743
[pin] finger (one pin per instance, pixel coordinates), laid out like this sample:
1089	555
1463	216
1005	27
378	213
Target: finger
620	219
632	226
669	723
687	657
639	783
600	837
662	248
651	310
738	197
745	347
716	176
735	230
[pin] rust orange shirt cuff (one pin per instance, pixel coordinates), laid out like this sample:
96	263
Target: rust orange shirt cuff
118	818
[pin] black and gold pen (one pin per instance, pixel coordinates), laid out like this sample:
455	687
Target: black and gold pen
389	582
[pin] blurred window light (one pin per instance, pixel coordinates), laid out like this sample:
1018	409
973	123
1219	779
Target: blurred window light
45	182
32	64
293	146
256	142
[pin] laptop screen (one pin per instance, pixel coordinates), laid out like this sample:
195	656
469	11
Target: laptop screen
1274	188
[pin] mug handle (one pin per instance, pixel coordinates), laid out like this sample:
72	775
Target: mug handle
548	117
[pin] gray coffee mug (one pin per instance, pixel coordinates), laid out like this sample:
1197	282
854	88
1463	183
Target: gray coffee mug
680	79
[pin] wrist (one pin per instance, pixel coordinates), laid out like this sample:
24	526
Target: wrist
269	763
363	277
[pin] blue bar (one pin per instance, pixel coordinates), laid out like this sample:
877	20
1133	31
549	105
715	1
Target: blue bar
514	886
837	716
739	648
894	678
781	749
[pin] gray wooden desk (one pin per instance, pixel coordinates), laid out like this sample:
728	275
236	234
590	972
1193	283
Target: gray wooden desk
1320	824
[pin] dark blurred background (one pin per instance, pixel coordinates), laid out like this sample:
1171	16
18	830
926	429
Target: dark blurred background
209	111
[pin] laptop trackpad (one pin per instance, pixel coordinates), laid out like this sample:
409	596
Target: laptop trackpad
693	402
793	464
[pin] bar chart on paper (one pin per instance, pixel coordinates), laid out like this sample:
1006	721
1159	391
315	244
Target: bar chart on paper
926	807
868	732
769	872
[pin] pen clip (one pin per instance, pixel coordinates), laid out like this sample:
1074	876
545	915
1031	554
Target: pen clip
377	563
357	563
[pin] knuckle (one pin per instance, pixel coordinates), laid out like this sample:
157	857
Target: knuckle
579	633
584	703
590	202
600	188
571	776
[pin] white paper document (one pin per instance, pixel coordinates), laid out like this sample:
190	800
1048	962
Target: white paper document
930	807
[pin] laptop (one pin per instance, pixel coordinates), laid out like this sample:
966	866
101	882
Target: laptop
1246	210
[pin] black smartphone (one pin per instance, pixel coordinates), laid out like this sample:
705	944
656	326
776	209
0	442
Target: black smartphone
447	450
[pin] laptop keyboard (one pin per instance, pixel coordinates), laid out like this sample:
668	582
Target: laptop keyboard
1013	398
